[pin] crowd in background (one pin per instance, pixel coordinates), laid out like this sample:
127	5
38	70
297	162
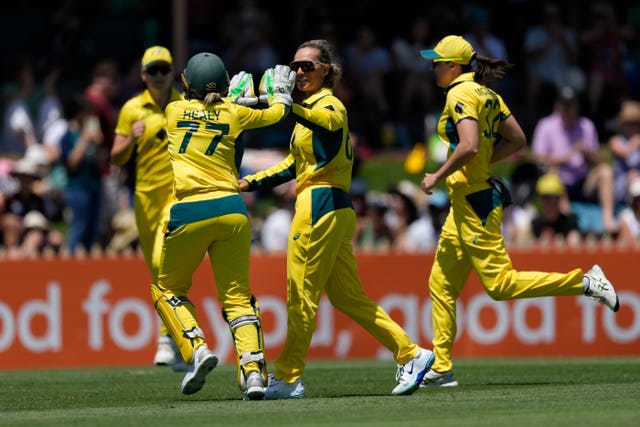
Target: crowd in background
576	67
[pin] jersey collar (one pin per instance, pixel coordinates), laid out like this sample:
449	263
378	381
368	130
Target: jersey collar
325	91
147	99
465	77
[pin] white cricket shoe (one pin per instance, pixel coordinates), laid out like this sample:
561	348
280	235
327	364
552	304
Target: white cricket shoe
203	362
168	354
409	375
279	389
254	387
439	379
601	289
165	353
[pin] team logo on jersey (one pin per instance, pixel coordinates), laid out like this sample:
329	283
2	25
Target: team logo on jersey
296	236
459	107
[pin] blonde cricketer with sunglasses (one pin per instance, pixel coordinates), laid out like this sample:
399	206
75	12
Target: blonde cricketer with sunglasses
141	137
320	253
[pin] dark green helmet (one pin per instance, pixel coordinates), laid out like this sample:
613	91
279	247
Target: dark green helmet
205	72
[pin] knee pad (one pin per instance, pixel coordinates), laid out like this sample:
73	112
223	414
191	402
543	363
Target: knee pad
177	312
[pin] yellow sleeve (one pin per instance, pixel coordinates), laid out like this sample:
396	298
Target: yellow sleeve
250	118
128	115
328	114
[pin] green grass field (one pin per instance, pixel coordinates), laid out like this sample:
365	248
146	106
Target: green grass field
535	392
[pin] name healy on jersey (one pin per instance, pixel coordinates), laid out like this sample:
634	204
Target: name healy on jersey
201	115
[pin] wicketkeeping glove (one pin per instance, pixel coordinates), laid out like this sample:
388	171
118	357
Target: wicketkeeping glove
241	89
277	84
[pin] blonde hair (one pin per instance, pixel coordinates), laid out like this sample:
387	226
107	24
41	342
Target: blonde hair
326	56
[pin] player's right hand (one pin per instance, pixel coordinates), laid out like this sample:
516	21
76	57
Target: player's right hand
241	89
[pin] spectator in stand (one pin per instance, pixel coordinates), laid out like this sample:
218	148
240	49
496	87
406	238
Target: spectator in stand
18	131
249	33
401	214
516	223
551	224
625	149
372	233
551	49
424	232
101	92
630	217
480	36
367	66
82	156
275	229
566	143
50	107
605	46
483	40
413	76
26	215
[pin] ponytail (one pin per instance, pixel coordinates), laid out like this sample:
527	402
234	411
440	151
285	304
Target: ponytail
487	69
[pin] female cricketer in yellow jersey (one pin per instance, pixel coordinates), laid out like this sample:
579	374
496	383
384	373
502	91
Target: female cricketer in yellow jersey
209	216
141	130
320	254
479	129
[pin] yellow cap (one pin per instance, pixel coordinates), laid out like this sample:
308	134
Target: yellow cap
450	48
154	55
549	185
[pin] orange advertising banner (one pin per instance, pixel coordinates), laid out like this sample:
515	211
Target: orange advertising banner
98	312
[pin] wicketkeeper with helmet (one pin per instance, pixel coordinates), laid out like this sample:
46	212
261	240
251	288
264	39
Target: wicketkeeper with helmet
209	215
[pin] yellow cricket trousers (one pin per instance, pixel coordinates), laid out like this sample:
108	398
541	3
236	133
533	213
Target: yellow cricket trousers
152	213
471	239
219	227
320	258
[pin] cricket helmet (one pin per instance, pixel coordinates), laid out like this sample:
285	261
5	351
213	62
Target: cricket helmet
205	72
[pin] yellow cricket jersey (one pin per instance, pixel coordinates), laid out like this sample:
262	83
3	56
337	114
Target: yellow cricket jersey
153	168
202	144
467	99
320	152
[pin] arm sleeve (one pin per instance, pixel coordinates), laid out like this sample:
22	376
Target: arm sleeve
327	115
273	176
125	120
252	118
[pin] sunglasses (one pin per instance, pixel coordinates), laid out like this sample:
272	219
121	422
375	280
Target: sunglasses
306	66
155	70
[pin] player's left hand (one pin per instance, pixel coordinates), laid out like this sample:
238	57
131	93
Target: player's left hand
429	182
241	89
277	84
